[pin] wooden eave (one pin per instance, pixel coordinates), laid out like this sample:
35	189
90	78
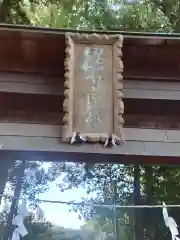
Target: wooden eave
41	51
32	62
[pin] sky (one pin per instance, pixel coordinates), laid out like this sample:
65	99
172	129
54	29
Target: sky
58	214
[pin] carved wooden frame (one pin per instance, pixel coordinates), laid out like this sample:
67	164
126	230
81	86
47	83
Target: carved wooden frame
116	41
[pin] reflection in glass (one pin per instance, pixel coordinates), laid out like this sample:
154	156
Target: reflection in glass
84	201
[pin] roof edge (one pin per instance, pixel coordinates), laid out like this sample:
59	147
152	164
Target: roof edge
126	34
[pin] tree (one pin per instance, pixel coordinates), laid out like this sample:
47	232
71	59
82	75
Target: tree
4	175
153	182
89	14
26	179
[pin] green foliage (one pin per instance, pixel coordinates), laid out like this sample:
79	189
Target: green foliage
113	182
132	15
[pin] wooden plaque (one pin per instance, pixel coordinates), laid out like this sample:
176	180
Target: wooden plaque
93	103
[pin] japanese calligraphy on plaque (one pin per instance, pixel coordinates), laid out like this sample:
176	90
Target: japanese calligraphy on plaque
93	103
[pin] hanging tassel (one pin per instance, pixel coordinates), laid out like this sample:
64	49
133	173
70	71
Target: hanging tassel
110	142
170	223
77	138
20	230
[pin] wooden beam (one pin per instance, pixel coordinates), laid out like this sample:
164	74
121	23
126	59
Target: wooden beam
152	94
55	131
148	37
28	88
43	142
152	90
30	130
142	84
16	77
53	149
54	85
47	117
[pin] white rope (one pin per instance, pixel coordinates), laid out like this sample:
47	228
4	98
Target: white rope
97	205
170	223
20	230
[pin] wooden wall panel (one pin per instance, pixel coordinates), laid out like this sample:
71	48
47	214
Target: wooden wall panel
36	51
153	122
30	116
37	108
32	54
